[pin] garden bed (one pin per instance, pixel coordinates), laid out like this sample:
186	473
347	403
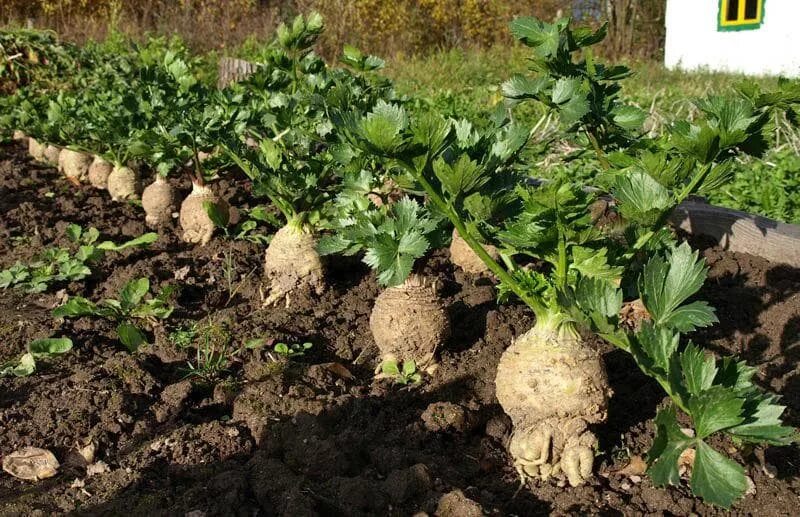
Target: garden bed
317	434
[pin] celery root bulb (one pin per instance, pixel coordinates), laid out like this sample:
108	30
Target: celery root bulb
464	257
35	149
409	322
197	225
98	173
123	183
158	202
553	386
19	136
51	154
75	165
292	265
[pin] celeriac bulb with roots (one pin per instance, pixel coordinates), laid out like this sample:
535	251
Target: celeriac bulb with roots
553	386
409	322
292	265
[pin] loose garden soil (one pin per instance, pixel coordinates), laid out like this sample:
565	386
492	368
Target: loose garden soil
318	435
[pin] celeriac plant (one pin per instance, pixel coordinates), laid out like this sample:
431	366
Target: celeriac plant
593	268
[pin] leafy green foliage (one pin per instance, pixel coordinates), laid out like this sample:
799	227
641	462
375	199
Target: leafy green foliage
128	312
585	94
278	125
392	238
55	265
47	348
717	395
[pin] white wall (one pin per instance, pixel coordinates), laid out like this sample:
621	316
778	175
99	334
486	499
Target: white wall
693	40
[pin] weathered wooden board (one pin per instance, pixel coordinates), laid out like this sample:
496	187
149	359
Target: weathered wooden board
231	70
741	232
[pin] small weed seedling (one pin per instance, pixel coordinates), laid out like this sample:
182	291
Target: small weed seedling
406	375
290	351
213	351
38	349
128	312
65	265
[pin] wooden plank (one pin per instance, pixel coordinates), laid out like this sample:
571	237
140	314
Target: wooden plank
231	70
741	232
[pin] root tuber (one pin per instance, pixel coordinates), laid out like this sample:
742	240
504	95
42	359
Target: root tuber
158	201
292	265
197	225
409	322
464	257
75	165
35	149
51	154
98	173
123	183
553	386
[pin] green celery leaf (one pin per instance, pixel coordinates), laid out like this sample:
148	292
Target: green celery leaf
763	422
524	87
699	371
667	283
641	198
598	295
689	317
139	242
74	232
22	368
593	263
667	447
715	478
659	344
628	117
715	409
218	213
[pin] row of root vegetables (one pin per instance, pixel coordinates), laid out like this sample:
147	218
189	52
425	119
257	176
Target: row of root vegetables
353	168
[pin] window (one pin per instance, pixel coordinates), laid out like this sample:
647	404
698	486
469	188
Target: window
737	15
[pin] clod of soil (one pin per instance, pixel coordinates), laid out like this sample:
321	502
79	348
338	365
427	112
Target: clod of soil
123	183
197	225
448	417
158	202
292	265
98	173
31	464
74	164
464	257
456	504
552	386
409	322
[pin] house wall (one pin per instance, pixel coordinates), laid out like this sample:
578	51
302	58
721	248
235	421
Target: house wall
693	41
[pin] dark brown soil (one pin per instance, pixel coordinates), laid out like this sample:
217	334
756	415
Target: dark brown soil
317	435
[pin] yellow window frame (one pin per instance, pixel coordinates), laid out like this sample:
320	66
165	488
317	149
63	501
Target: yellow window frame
740	23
